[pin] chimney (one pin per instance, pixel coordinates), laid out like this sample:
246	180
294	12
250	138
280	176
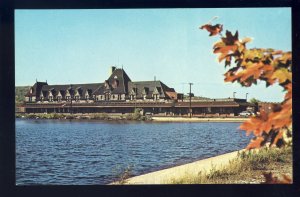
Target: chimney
112	69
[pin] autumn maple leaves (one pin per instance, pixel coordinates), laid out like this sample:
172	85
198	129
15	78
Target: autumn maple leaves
247	66
214	30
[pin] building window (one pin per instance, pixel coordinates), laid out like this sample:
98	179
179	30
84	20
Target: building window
119	96
87	97
68	98
76	98
113	96
30	99
59	98
50	98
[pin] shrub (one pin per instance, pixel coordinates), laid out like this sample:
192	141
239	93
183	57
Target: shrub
70	116
18	115
57	116
31	116
99	116
136	115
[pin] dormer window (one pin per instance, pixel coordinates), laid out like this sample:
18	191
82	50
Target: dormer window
155	97
59	98
50	98
133	92
106	84
115	83
87	95
156	93
31	90
145	92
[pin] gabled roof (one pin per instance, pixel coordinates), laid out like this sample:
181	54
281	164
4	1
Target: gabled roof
152	86
36	89
117	83
63	88
122	79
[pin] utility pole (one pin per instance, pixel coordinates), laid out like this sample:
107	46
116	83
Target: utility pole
190	109
234	94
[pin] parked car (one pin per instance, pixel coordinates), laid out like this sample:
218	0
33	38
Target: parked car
245	113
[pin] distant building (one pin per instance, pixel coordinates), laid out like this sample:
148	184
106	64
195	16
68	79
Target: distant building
267	106
118	94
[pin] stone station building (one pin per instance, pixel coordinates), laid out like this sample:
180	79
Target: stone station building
118	94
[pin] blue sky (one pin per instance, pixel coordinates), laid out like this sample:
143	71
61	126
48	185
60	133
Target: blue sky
79	46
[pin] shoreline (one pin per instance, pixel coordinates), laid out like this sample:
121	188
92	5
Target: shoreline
196	119
238	167
196	167
117	117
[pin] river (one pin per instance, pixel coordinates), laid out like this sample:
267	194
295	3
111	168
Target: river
65	152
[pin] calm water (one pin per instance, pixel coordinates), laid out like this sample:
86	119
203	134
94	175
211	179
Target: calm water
91	152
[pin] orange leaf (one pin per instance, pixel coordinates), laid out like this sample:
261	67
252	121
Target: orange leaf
288	95
213	30
271	179
256	143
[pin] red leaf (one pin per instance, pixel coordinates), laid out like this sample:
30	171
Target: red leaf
255	143
271	179
213	30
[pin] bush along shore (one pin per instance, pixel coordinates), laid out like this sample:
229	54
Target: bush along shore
248	167
96	116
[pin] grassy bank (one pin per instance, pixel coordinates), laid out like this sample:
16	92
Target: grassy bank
95	116
246	168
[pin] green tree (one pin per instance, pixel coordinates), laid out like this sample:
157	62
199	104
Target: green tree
254	101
